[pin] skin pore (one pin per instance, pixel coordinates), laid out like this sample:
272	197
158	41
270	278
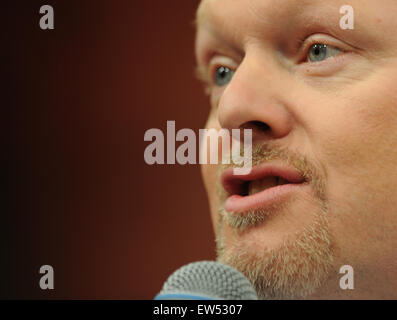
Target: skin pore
323	101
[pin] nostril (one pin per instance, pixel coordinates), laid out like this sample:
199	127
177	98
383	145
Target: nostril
261	126
259	129
257	126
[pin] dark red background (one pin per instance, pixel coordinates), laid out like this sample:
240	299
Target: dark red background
76	103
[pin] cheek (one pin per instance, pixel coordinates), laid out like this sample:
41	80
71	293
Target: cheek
210	173
360	134
357	143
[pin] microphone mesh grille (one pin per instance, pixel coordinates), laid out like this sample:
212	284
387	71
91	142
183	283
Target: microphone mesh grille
210	279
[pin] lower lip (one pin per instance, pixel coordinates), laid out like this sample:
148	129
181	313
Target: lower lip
261	200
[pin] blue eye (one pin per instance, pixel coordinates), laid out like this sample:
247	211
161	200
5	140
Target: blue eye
223	76
319	52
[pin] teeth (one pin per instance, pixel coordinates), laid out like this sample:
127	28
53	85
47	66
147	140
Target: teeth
262	184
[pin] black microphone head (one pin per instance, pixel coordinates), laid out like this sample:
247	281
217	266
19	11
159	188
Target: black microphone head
207	280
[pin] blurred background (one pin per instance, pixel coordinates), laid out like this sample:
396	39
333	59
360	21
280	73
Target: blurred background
77	193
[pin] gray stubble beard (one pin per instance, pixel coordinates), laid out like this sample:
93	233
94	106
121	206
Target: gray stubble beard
296	268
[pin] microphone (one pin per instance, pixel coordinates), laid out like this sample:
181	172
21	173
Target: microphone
207	280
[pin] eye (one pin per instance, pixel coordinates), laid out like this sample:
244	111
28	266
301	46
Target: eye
222	76
319	52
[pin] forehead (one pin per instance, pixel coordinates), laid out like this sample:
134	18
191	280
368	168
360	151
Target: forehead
245	13
236	22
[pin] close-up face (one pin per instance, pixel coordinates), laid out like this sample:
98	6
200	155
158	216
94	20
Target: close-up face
321	101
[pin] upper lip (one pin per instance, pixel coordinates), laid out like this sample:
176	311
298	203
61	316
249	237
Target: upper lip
237	184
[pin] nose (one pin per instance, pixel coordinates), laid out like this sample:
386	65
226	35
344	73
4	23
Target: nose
254	100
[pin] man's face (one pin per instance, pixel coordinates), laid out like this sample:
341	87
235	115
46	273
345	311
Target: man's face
322	105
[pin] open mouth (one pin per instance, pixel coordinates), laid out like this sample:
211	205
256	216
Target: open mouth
251	187
264	186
